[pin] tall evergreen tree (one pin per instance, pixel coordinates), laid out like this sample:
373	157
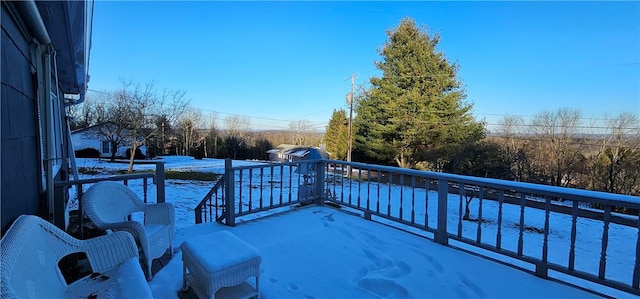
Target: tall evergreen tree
415	112
336	135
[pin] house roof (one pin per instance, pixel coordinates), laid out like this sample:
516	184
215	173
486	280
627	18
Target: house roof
69	26
297	150
88	128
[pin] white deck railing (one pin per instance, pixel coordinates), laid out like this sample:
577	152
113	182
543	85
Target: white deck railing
550	228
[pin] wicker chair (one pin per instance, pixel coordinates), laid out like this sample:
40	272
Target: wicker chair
110	206
32	249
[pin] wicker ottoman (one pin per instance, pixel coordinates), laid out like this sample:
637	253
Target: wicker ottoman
218	265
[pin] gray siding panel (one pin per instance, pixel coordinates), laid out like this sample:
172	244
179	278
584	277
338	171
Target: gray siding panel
20	149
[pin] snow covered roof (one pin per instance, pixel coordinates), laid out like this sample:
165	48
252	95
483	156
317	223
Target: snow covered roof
298	151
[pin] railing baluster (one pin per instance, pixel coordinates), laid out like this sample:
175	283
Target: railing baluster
210	208
350	178
426	202
216	204
359	184
574	224
378	174
480	197
521	227
401	195
144	189
240	192
461	192
413	199
342	183
290	181
271	185
635	283
333	180
300	196
605	242
261	184
281	184
368	189
389	198
250	189
499	233
126	182
223	202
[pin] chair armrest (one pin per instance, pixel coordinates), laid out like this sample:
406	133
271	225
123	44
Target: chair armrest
133	227
136	229
160	213
109	251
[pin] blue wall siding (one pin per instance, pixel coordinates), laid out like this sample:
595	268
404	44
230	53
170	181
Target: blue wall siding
21	176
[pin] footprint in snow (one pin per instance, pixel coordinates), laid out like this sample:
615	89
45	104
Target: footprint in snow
329	217
361	273
383	288
293	287
434	263
477	291
400	269
273	280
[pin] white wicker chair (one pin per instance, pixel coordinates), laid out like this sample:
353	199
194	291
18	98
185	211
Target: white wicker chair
110	205
32	249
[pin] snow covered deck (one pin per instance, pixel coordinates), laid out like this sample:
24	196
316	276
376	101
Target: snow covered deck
322	252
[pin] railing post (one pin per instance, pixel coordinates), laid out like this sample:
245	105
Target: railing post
443	197
230	199
159	180
198	214
320	195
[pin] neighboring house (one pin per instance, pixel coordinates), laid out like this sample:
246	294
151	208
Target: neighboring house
45	55
89	138
291	153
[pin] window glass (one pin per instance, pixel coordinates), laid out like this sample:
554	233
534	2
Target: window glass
106	147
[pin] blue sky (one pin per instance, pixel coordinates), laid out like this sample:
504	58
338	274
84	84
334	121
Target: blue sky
286	61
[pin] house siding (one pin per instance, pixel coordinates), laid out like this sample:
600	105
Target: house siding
89	138
21	178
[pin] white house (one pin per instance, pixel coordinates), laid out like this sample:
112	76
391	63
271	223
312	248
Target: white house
89	138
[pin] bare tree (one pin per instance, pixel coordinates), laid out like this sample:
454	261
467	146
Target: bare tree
210	142
300	131
236	126
112	121
130	114
189	125
510	130
236	133
558	147
616	159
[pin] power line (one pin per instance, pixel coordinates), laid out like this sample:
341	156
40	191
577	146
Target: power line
397	109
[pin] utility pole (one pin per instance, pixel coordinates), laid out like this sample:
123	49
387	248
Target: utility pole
350	100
